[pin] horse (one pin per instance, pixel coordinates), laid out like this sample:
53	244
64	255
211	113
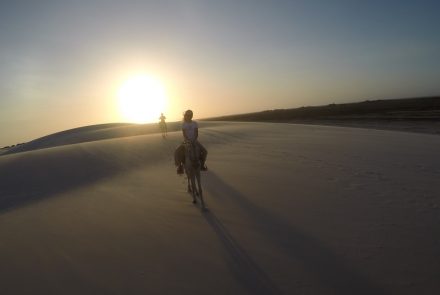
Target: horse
192	170
163	128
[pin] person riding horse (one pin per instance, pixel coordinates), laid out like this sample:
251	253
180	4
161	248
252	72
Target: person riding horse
190	130
163	125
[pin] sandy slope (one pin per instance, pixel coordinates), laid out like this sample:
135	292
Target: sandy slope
293	209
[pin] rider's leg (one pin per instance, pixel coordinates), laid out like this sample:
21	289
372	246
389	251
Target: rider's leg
203	156
179	157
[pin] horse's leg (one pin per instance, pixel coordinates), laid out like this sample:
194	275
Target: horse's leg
193	186
188	178
199	185
189	185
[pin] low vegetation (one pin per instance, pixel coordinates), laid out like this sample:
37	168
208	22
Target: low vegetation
426	108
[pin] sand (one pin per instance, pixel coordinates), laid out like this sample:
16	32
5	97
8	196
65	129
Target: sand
293	209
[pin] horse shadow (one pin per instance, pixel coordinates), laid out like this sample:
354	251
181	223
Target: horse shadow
328	268
247	272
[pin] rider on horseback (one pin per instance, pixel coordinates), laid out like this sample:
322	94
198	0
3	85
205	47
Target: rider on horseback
163	125
190	131
162	118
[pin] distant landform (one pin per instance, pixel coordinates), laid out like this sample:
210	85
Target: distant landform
409	114
426	108
420	115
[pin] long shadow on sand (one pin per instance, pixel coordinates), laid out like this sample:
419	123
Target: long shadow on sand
315	258
245	269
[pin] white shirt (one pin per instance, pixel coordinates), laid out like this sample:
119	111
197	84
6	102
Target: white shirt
190	129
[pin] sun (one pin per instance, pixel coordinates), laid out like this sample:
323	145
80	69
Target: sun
141	99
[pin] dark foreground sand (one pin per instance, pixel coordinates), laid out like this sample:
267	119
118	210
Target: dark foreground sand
293	209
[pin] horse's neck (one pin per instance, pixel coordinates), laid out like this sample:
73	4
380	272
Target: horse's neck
192	151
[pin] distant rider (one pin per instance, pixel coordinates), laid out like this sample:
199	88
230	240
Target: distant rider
162	118
163	125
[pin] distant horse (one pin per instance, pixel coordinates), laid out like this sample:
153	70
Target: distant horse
163	128
192	170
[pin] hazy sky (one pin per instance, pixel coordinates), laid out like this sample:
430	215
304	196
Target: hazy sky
62	62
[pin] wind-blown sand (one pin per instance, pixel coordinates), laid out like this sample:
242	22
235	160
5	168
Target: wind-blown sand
293	209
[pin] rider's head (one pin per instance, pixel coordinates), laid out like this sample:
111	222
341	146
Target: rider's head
187	116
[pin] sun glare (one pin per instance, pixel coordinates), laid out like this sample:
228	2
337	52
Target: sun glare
142	99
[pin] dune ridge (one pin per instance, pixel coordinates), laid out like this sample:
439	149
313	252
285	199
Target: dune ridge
90	133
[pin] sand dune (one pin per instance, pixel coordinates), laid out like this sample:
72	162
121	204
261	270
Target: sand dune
90	133
293	209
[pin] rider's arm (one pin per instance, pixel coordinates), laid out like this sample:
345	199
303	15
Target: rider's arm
196	133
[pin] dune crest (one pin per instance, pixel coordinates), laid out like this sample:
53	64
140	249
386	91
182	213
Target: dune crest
89	133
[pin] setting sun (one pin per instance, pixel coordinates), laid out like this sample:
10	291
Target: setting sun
142	99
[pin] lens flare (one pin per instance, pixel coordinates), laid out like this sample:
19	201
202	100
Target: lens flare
142	99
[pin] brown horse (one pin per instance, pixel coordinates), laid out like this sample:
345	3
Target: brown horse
192	171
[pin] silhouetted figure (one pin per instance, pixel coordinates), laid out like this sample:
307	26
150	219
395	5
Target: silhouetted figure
163	125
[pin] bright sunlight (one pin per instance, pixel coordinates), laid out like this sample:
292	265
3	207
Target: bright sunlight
142	99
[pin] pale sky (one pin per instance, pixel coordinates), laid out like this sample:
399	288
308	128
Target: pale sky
63	62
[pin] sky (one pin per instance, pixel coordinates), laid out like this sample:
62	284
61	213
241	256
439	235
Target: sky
63	63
